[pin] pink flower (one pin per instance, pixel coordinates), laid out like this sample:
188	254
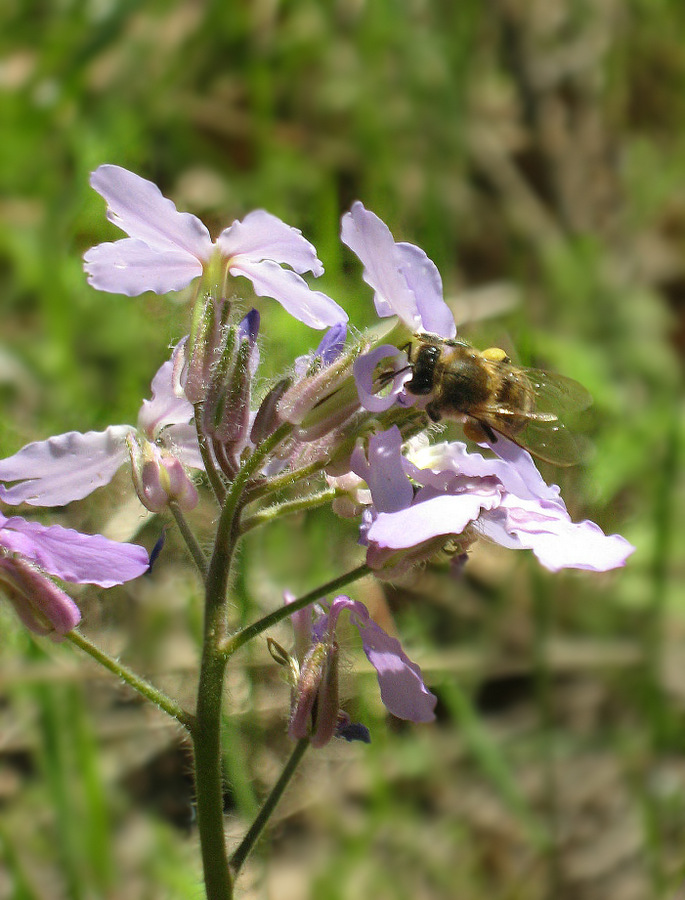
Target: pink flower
167	249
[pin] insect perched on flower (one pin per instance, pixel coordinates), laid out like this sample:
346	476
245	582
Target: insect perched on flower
490	394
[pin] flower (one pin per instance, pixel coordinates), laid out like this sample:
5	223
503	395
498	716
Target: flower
167	249
454	492
70	466
405	281
315	707
30	551
407	284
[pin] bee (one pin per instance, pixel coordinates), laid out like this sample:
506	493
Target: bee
491	396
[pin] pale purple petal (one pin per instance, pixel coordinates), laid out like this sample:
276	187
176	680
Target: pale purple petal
302	626
78	558
64	467
370	238
390	489
291	291
138	207
165	408
261	236
424	281
131	267
364	368
181	440
515	469
441	515
556	541
402	689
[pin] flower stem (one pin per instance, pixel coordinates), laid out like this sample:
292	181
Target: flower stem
242	637
147	690
252	836
287	508
206	730
191	543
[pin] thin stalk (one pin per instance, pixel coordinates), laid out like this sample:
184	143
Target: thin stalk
191	543
241	637
252	836
287	508
215	482
143	687
285	480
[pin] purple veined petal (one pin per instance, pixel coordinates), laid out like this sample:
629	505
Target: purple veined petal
72	556
363	369
515	469
558	543
370	238
165	408
402	689
138	207
292	292
63	468
440	516
131	267
261	236
424	281
390	488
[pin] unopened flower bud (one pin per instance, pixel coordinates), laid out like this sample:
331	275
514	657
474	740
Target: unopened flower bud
227	406
315	704
158	477
322	394
42	606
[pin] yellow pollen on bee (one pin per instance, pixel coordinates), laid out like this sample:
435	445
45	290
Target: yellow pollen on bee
495	354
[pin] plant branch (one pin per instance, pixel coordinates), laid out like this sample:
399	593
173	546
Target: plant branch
252	836
143	687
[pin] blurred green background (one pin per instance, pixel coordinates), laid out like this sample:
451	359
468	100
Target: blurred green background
535	149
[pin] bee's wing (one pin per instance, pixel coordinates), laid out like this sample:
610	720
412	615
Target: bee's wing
557	394
543	434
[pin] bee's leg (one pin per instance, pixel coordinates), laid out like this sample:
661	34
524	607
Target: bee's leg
478	431
433	412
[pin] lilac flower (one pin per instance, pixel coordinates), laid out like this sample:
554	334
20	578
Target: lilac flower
70	466
407	284
166	250
405	281
315	706
457	493
29	550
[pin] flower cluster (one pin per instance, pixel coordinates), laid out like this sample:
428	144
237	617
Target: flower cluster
331	414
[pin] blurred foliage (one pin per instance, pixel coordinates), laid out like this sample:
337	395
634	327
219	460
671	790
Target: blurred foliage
535	151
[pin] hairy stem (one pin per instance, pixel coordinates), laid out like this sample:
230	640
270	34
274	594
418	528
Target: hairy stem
191	543
143	687
242	637
252	836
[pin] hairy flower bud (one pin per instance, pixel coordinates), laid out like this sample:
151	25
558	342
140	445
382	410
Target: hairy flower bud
42	606
158	477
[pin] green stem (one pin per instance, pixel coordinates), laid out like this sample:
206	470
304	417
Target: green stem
252	836
191	543
285	480
242	637
147	690
206	731
287	508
